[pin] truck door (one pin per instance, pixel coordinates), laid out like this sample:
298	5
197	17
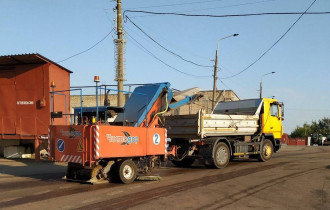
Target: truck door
275	123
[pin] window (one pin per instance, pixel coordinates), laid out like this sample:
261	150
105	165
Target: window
282	109
274	110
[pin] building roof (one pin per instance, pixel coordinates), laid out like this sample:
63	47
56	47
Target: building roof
209	93
33	58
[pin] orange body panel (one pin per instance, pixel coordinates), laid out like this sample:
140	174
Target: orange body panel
93	142
152	120
67	143
124	141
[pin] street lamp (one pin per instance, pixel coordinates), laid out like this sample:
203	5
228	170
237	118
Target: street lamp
261	81
216	69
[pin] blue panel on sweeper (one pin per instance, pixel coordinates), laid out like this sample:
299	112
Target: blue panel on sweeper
141	101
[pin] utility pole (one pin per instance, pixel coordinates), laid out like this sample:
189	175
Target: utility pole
215	78
120	56
261	81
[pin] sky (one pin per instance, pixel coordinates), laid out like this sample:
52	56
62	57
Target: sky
301	59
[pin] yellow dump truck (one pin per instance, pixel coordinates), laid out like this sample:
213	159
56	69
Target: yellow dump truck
237	129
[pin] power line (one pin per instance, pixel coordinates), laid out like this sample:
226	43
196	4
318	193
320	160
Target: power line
225	84
229	88
207	108
178	4
173	53
94	45
262	55
225	16
166	64
169	50
308	110
177	44
230	72
227	6
233	5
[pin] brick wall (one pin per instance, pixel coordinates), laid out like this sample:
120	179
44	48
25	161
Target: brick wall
204	102
90	100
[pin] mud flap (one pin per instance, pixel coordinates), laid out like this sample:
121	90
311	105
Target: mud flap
79	173
95	174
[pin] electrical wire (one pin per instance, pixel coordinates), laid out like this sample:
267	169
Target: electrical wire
225	16
230	72
224	84
178	4
166	64
228	6
207	108
273	45
177	44
94	45
173	53
212	8
309	110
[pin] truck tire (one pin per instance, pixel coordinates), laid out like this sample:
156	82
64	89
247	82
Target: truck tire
127	171
267	151
185	163
220	157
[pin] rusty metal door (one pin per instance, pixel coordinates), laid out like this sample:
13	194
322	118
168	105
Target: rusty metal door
7	101
27	92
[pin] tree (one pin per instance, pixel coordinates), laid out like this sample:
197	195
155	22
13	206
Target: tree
320	127
324	126
301	132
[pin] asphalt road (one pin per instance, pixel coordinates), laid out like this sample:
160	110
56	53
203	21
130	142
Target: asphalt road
297	177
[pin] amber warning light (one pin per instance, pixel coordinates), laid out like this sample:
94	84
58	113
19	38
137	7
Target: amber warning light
96	78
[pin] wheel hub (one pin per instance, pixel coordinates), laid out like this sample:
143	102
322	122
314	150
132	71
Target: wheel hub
128	172
268	151
221	155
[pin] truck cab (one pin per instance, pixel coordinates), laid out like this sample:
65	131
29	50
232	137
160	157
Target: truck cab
271	120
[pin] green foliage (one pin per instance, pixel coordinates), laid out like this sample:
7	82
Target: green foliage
320	127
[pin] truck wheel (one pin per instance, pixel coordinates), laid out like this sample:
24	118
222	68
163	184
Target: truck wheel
221	156
127	171
267	151
186	162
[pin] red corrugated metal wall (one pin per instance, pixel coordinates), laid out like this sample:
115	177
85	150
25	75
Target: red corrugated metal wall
292	141
62	81
297	142
7	101
29	90
23	91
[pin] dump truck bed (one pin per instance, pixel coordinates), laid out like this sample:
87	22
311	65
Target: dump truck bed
241	118
203	125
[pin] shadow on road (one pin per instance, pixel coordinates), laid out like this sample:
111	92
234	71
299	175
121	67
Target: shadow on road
41	170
